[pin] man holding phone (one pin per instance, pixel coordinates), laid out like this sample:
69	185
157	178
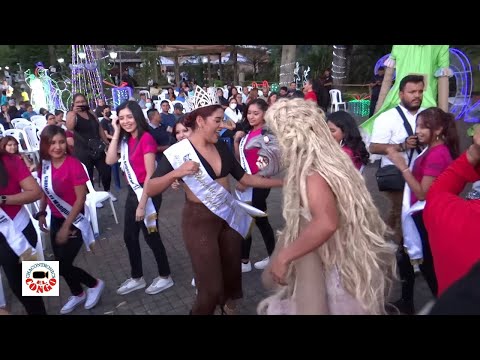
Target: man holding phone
389	130
396	128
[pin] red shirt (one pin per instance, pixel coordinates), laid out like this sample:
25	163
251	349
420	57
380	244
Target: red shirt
16	172
432	163
64	179
251	155
310	95
136	152
452	223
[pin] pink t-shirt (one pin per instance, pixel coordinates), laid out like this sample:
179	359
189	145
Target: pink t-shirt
355	159
136	151
64	179
252	154
432	163
16	172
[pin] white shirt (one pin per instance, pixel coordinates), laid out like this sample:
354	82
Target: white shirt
389	129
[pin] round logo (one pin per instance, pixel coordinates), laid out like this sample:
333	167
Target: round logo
41	278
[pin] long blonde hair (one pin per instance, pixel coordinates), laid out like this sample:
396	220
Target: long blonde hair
365	261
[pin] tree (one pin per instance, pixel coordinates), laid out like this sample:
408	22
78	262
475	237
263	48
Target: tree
287	64
339	64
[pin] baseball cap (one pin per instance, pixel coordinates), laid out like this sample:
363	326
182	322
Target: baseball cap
178	106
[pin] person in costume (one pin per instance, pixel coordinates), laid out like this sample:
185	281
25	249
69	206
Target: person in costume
138	149
18	238
63	179
332	256
430	61
213	222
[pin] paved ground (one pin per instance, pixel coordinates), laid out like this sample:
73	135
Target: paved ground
110	263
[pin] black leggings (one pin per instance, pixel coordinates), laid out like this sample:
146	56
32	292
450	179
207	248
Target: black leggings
259	200
66	254
131	235
13	271
407	273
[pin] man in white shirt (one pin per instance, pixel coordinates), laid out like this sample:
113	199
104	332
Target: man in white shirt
389	131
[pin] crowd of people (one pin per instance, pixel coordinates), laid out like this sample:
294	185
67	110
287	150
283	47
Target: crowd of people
335	254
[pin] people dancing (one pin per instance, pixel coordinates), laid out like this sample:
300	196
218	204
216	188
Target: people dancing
331	257
63	179
138	149
213	223
255	113
18	238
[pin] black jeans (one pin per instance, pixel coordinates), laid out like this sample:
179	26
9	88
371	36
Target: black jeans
407	273
13	271
65	254
131	235
104	170
259	200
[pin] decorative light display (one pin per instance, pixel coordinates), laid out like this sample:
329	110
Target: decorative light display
45	91
360	105
85	74
121	94
338	71
285	71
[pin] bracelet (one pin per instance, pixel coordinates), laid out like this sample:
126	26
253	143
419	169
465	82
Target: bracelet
40	213
406	169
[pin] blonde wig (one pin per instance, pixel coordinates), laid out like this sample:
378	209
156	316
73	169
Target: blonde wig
364	260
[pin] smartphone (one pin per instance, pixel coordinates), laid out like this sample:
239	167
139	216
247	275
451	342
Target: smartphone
84	107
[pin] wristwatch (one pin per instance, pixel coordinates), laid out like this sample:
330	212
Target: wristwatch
3	199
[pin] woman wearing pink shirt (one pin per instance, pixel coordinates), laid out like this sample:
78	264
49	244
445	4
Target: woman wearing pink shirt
255	111
18	238
436	129
138	149
63	180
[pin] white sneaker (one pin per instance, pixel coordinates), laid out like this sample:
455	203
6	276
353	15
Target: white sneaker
193	282
131	285
260	265
246	267
72	303
159	284
113	197
93	294
99	205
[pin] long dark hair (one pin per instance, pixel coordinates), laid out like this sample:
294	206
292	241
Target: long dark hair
262	104
351	134
3	171
137	113
435	118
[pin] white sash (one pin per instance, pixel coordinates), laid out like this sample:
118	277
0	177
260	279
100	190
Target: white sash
412	241
12	230
248	193
65	208
150	219
215	197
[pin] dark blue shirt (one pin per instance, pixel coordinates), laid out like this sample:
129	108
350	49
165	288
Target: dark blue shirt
168	120
162	137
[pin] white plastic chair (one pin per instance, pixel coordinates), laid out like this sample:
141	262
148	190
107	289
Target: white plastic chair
20	123
93	198
21	137
39	121
146	92
2	130
336	100
32	137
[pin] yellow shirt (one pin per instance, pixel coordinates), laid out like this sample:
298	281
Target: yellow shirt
25	96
